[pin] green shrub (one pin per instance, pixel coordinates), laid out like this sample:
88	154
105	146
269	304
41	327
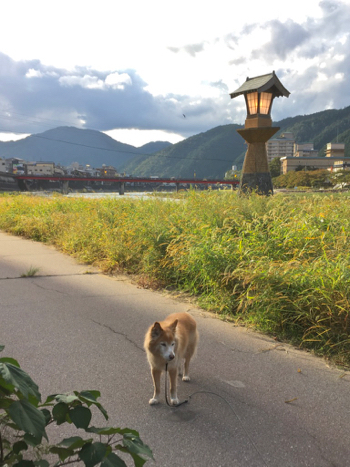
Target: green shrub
24	441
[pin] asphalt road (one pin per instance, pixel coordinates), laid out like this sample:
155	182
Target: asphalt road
255	402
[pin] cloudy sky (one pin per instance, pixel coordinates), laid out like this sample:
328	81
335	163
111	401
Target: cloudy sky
159	70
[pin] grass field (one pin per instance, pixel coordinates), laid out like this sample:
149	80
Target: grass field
280	264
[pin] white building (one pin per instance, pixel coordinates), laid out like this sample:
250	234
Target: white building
283	146
305	150
306	158
335	150
40	168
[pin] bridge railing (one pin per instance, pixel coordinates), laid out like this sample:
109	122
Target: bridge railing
122	181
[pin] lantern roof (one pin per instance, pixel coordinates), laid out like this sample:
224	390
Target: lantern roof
263	83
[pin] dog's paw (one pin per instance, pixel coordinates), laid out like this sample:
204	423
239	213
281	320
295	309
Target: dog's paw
153	401
174	401
186	378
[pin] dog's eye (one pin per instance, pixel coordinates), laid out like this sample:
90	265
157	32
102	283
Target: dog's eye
173	344
163	344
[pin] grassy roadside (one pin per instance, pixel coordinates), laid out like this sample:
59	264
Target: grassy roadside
280	264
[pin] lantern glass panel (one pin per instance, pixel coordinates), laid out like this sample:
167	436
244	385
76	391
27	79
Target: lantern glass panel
265	101
252	102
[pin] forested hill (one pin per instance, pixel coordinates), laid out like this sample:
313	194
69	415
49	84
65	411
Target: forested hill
206	155
211	154
328	126
64	145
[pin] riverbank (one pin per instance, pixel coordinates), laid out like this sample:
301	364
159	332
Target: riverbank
279	264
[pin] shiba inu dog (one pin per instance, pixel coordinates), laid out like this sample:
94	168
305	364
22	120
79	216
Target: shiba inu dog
172	341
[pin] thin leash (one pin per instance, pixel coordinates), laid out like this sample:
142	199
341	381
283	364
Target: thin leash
166	391
217	395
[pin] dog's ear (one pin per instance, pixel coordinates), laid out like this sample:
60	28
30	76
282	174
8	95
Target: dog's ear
156	330
173	325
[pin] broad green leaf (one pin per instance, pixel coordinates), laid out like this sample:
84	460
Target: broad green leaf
20	446
89	397
74	442
33	400
80	416
5	402
28	418
113	461
47	415
50	398
6	388
102	410
66	398
24	463
42	463
62	453
138	461
9	360
139	451
19	379
32	440
104	430
124	431
92	454
59	412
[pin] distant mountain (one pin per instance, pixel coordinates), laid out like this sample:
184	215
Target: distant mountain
212	153
152	147
208	155
65	145
328	126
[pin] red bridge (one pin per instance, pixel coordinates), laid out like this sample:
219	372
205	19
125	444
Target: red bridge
121	181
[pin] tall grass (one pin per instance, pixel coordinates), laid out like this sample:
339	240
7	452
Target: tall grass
280	264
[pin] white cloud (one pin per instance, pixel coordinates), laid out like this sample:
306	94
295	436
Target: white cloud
138	138
86	81
113	80
12	136
31	73
118	81
145	64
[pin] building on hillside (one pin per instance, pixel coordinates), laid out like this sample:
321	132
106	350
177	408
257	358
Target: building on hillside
39	168
107	171
59	170
305	158
335	150
289	164
305	150
3	165
90	171
283	146
75	169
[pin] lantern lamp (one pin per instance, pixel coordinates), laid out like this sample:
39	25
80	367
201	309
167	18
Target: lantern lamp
259	93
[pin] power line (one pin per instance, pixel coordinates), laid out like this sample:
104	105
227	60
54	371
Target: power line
119	151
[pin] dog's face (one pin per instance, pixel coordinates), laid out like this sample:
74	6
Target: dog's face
163	341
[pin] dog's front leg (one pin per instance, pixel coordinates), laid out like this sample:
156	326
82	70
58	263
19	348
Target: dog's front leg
173	386
156	384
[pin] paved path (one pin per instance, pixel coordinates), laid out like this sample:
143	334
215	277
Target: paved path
73	328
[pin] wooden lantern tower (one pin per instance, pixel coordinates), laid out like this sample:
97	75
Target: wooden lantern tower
259	93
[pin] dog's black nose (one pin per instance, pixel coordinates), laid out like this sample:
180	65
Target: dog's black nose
171	357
